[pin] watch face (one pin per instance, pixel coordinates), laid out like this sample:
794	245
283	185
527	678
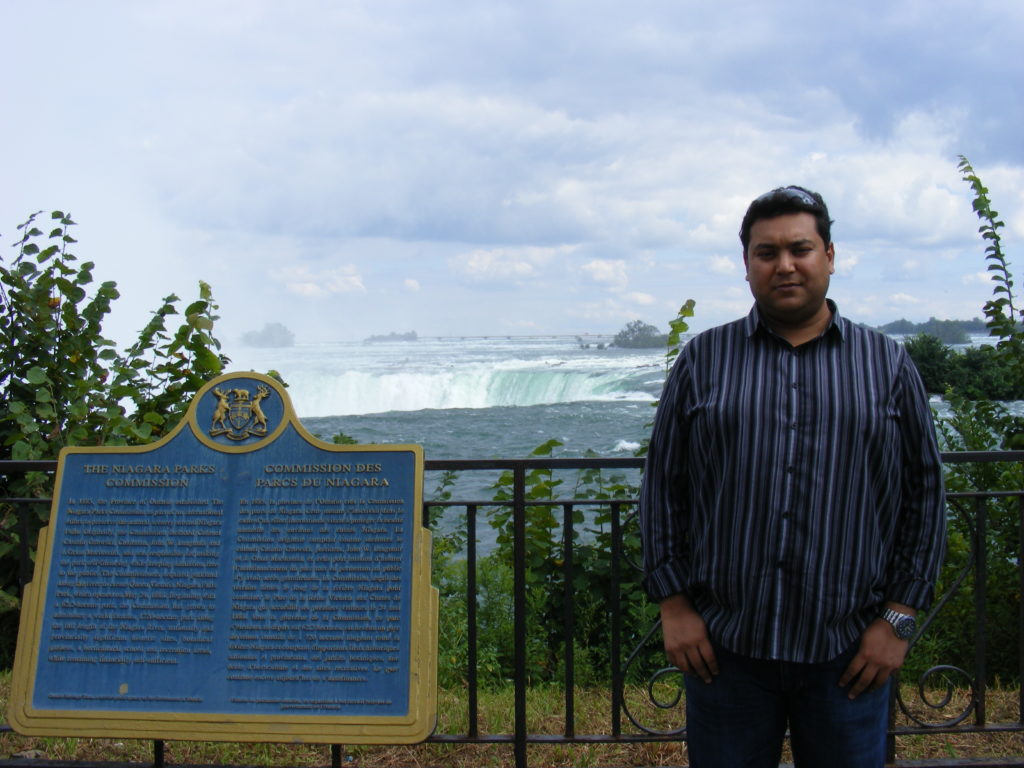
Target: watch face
905	628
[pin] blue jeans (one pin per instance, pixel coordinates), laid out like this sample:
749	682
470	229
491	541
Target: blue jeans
739	719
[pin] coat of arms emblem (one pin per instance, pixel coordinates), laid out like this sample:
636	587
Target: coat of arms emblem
238	414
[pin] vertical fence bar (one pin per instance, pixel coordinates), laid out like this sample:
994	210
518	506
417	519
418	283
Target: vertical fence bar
980	614
519	610
1020	617
335	755
472	637
158	753
569	620
616	610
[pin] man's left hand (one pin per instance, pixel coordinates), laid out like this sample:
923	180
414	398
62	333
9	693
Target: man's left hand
881	653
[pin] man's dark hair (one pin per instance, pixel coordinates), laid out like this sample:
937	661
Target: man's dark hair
783	200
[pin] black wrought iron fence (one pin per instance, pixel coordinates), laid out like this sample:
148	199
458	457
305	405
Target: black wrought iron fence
645	697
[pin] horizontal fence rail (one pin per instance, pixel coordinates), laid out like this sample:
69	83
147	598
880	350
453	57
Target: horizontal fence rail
645	697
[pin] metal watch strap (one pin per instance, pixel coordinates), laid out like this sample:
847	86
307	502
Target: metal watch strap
903	624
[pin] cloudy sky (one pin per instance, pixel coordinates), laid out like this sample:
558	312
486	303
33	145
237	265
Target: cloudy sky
349	167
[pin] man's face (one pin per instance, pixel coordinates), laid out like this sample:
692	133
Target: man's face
788	268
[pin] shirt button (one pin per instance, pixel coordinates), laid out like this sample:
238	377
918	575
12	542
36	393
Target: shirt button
789	470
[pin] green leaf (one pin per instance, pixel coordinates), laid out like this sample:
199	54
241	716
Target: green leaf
206	362
545	449
36	375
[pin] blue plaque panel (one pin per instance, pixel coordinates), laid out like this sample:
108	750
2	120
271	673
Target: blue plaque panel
238	569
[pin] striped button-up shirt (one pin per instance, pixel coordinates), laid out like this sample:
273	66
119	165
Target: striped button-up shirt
791	491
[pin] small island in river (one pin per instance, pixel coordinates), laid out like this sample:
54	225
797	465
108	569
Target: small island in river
410	336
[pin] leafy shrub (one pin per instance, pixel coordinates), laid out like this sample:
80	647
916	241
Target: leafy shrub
978	373
62	383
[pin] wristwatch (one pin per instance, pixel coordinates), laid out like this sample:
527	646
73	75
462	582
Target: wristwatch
903	624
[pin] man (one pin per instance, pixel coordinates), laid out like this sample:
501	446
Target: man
792	511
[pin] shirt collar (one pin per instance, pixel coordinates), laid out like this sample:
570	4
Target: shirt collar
836	325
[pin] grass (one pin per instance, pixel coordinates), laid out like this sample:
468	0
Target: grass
545	715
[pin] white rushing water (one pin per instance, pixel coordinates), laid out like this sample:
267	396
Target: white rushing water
351	378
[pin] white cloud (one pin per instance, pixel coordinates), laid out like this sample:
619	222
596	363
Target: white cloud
904	298
977	278
411	284
503	265
643	299
846	263
724	265
494	266
300	280
612	271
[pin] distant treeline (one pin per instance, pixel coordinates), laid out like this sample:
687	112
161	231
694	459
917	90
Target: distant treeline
408	336
946	331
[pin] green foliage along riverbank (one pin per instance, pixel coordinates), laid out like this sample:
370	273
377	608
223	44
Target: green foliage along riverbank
977	373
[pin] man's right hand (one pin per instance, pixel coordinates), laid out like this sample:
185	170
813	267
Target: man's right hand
686	638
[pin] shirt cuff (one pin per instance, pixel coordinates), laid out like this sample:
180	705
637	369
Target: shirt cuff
669	579
916	593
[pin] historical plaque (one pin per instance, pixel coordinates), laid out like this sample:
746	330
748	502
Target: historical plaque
238	580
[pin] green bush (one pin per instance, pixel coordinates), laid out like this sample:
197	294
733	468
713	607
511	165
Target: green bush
978	373
494	623
65	384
